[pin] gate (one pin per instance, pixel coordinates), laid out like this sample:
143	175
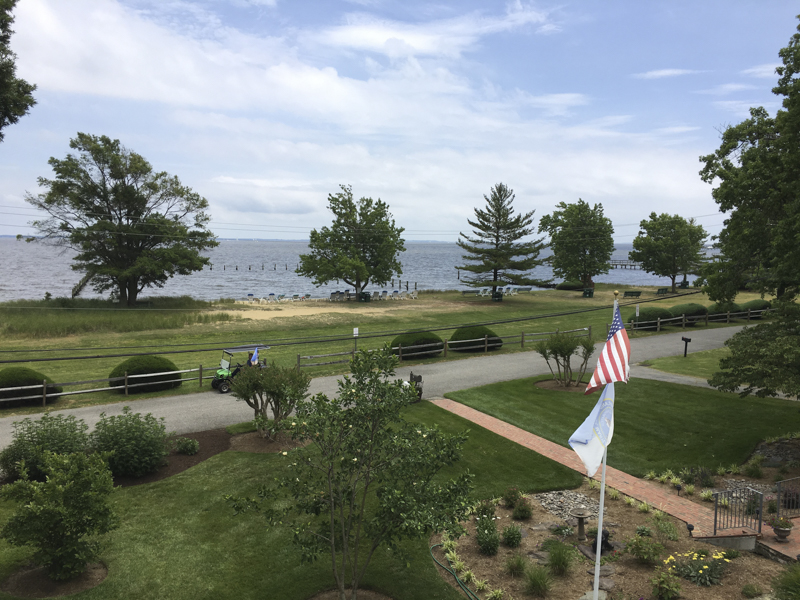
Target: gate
738	508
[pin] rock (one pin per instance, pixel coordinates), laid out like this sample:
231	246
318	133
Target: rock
601	595
605	570
587	552
606	584
547	526
560	503
542	557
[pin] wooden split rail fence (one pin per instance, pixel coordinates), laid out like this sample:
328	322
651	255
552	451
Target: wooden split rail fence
691	320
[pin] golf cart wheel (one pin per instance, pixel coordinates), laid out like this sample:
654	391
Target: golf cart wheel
214	383
224	387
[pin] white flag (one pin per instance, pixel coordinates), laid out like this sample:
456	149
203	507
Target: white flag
594	434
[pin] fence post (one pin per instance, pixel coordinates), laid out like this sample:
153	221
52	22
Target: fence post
126	383
201	377
486	343
590	332
445	348
728	319
658	324
400	351
298	362
44	392
706	318
683	323
522	340
748	314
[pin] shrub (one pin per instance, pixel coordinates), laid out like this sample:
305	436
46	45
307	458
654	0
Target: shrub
689	489
187	446
22	376
647	314
421	338
753	469
665	529
511	496
486	535
757	304
512	536
522	510
695	313
752	590
722	309
644	549
50	433
485	509
138	444
515	565
62	516
665	585
570	285
561	556
700	569
459	343
538	581
144	365
644	531
613	493
786	586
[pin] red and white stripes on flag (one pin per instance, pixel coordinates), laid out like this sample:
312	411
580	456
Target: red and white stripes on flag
614	361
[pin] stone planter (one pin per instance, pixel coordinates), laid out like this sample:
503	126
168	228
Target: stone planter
782	534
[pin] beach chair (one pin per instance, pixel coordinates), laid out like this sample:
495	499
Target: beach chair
376	296
340	296
485	292
281	297
347	295
296	298
333	297
271	298
413	295
395	295
403	296
384	295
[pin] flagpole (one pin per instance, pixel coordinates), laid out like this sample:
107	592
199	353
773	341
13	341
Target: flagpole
600	528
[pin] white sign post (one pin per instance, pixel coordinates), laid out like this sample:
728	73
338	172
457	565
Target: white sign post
355	338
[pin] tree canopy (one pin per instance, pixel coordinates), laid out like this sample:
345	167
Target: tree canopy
756	171
131	227
499	257
16	95
581	240
669	245
361	246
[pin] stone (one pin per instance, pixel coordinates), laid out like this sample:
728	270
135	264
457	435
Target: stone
542	557
547	526
605	571
601	595
607	584
587	552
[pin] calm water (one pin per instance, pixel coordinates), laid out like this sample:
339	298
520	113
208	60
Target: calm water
28	271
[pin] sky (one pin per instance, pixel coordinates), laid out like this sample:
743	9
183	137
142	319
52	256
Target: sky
265	107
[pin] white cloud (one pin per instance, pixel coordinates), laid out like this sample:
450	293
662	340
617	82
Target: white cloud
727	88
766	71
741	108
661	73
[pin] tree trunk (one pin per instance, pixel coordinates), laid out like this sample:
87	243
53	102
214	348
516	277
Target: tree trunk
673	284
133	292
123	294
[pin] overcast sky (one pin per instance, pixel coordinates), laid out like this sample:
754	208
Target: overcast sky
265	106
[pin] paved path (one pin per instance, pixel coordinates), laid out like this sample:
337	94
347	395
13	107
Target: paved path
211	410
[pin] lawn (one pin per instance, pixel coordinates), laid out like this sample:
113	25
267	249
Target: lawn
696	364
180	540
657	425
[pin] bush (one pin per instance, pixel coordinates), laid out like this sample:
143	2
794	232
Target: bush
21	376
757	304
786	586
459	344
715	310
753	469
647	314
512	536
644	549
522	510
665	585
418	339
138	444
144	365
186	446
62	516
561	556
485	509
515	565
752	590
511	496
695	313
486	535
700	569
31	438
538	581
570	285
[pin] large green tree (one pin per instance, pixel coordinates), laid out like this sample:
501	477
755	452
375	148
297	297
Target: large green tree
581	241
362	245
368	478
498	256
131	227
756	171
16	95
669	245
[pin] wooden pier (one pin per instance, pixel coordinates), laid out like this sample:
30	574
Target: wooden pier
625	264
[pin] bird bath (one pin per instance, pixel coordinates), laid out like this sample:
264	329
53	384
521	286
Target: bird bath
582	513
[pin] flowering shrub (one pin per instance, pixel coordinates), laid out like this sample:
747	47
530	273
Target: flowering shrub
522	510
700	570
511	496
486	535
774	522
644	549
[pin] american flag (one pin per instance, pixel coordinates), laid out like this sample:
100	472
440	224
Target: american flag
614	361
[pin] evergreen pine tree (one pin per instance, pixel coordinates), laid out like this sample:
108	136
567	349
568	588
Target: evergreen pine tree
498	257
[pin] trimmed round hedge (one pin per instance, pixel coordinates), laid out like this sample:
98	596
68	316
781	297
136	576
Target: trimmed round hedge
724	308
21	376
757	304
420	338
570	285
144	365
460	339
650	313
695	313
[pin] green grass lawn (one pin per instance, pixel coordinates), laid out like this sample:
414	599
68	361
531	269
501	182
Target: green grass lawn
657	425
696	364
180	540
95	338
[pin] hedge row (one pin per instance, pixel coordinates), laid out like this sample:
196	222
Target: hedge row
695	313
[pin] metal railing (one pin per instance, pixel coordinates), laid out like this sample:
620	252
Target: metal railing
788	498
738	508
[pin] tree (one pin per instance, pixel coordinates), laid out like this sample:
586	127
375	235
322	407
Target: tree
273	390
62	516
669	245
16	95
495	247
765	359
757	173
361	245
367	479
561	348
581	240
131	227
